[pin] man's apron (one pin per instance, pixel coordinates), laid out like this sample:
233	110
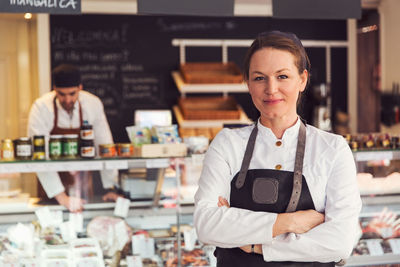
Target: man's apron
270	191
76	183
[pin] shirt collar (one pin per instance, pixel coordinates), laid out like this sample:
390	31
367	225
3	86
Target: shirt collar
289	135
76	105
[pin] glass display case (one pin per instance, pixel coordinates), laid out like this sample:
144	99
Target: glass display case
156	224
379	183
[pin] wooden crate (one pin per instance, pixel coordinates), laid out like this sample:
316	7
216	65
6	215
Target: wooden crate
211	72
209	108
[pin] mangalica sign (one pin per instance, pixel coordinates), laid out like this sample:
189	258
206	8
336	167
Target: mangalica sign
46	3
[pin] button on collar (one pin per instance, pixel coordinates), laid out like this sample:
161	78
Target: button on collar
278	143
278	167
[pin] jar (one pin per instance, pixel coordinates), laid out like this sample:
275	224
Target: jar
70	146
107	151
55	146
39	153
125	150
23	148
38	141
86	132
7	150
395	141
87	150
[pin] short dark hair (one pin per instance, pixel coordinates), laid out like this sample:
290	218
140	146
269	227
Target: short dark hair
66	75
282	41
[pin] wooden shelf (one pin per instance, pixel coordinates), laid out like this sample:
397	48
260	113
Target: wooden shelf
207	88
208	123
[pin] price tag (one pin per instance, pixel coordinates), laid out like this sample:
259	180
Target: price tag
374	247
190	238
77	221
121	234
116	165
67	230
143	246
157	163
122	207
57	217
395	245
134	261
44	217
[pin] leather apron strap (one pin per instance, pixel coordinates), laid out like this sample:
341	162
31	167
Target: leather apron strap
298	165
247	157
298	169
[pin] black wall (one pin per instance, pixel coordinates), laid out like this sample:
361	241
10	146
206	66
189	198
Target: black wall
127	60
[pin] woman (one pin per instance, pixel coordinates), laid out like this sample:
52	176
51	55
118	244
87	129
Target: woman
293	197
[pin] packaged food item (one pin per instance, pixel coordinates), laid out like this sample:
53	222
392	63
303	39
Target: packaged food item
139	136
87	150
107	150
369	142
125	149
395	142
23	148
86	132
70	146
7	150
55	146
165	134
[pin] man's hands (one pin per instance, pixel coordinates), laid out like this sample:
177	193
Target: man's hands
111	196
73	204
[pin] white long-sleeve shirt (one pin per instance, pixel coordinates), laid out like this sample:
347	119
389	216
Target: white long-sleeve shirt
41	122
329	170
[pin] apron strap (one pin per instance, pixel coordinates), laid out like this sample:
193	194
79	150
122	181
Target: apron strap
298	169
247	157
55	113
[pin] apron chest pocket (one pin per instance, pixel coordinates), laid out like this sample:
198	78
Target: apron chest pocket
265	190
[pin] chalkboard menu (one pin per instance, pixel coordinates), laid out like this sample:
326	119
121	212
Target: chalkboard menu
127	60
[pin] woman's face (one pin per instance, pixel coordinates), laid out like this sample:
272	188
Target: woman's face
275	83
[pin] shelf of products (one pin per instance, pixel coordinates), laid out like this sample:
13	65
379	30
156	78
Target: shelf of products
82	164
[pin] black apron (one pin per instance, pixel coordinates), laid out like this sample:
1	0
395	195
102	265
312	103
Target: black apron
270	191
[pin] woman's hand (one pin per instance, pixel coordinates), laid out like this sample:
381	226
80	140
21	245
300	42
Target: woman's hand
223	202
305	220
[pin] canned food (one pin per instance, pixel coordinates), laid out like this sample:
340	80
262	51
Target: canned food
7	150
70	146
23	148
125	150
107	150
55	146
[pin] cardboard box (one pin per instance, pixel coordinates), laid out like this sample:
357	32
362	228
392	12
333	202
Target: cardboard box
161	150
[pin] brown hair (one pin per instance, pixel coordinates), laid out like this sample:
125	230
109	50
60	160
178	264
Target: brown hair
281	41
